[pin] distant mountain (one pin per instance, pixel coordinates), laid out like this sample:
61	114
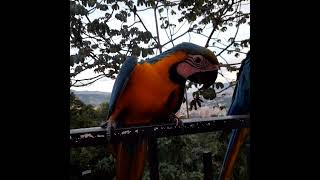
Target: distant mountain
94	98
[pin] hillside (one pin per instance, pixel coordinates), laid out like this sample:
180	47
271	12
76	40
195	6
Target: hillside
94	98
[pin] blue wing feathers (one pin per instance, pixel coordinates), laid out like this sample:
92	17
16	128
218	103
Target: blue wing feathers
240	102
121	81
185	46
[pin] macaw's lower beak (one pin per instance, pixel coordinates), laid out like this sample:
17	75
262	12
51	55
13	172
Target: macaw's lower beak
206	78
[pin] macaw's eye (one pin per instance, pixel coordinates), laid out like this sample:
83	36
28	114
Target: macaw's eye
197	60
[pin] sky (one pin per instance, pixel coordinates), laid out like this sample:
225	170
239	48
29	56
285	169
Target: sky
106	84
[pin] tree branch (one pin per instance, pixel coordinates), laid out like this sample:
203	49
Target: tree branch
177	37
173	4
133	24
232	64
229	50
180	27
144	26
230	43
185	92
88	18
88	79
157	28
238	3
215	25
225	60
94	8
209	38
224	77
222	12
231	85
169	27
85	84
165	29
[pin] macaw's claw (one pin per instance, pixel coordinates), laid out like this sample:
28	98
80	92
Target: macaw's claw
107	125
174	118
104	124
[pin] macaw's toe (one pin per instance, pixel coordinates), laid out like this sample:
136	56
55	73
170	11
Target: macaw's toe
174	118
109	129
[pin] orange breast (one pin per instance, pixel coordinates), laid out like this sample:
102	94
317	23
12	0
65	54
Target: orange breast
147	91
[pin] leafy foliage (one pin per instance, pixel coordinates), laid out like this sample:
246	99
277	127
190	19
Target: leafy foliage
95	159
179	157
209	93
82	115
103	46
196	101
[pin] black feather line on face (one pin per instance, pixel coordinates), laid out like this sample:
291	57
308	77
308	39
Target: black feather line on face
191	63
174	76
199	65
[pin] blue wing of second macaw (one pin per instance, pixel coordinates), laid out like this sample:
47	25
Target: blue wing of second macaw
121	81
240	105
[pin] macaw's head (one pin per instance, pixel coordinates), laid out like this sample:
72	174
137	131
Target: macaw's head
200	65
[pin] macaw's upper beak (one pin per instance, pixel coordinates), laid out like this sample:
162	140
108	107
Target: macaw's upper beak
206	78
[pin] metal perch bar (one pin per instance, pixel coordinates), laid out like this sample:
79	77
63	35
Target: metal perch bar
97	135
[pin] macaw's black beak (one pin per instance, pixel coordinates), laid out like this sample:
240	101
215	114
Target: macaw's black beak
206	78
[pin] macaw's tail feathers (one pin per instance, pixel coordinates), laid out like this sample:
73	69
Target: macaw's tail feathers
238	136
130	160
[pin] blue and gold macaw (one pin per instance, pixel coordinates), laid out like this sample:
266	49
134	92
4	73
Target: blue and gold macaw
240	105
150	92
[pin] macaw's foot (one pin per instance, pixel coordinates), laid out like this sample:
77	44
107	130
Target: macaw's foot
174	118
108	126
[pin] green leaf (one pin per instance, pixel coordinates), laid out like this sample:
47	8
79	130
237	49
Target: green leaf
180	19
71	61
78	69
103	7
209	93
231	39
199	103
120	17
91	3
115	6
94	46
144	52
199	30
140	2
223	29
150	51
78	9
219	85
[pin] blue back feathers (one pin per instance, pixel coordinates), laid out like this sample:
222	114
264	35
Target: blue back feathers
190	48
121	81
240	102
241	99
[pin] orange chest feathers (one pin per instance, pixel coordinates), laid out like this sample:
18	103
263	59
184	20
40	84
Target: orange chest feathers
148	95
